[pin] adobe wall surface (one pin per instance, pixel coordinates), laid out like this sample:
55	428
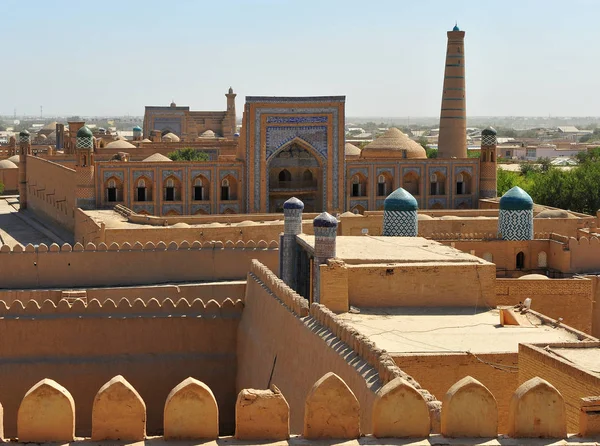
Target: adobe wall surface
83	347
569	299
421	285
266	355
585	254
51	191
595	305
88	230
131	265
218	291
438	372
10	179
572	382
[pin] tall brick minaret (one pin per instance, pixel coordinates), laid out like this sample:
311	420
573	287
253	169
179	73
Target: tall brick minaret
452	140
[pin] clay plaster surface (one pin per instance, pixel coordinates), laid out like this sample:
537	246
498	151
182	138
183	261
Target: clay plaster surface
587	359
420	330
14	230
371	249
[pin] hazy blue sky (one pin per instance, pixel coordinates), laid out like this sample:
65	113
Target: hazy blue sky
525	57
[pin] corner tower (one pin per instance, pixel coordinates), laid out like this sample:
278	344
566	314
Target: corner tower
452	140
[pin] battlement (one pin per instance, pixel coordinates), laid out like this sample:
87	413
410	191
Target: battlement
123	308
332	411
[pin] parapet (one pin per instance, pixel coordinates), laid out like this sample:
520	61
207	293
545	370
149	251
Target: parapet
123	308
47	413
138	246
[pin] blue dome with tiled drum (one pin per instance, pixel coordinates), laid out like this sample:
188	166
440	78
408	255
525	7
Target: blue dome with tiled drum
515	217
325	220
137	128
489	131
400	200
400	217
293	203
24	136
84	132
516	199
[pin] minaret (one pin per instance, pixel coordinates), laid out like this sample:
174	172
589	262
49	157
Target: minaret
487	164
85	194
229	126
24	151
452	140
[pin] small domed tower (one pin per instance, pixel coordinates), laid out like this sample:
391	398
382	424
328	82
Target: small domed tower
137	133
84	169
288	252
515	219
325	228
24	150
487	164
400	214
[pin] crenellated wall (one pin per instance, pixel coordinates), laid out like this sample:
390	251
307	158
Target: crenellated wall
51	191
321	343
83	346
127	264
585	254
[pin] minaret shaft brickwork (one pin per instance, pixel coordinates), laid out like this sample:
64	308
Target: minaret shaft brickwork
452	140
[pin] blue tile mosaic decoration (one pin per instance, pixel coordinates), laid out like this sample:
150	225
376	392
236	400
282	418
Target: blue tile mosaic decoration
316	136
296	119
106	174
400	224
168	172
515	224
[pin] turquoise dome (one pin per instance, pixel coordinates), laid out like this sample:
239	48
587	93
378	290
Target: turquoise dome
325	220
456	28
516	199
490	131
137	128
293	203
84	132
400	200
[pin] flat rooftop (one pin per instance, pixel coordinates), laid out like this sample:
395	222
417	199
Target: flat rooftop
451	330
379	249
587	358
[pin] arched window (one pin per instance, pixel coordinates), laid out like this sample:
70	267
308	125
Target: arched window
201	189
111	191
358	186
520	260
437	184
410	182
307	175
542	259
142	190
170	190
381	189
463	184
285	175
225	189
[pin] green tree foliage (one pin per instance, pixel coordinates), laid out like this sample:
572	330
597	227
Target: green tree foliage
575	189
431	153
188	154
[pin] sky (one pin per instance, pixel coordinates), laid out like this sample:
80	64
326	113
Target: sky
523	58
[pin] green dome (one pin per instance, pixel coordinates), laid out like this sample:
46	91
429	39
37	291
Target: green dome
137	128
489	131
400	200
456	28
84	132
516	199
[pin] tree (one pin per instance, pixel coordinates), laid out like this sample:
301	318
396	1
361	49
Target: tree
189	154
431	153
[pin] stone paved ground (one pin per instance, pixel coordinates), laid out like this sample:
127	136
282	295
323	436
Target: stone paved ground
14	230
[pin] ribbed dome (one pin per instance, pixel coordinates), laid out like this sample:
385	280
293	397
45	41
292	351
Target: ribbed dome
393	144
120	144
400	200
293	203
157	158
84	132
325	220
351	150
7	164
516	199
